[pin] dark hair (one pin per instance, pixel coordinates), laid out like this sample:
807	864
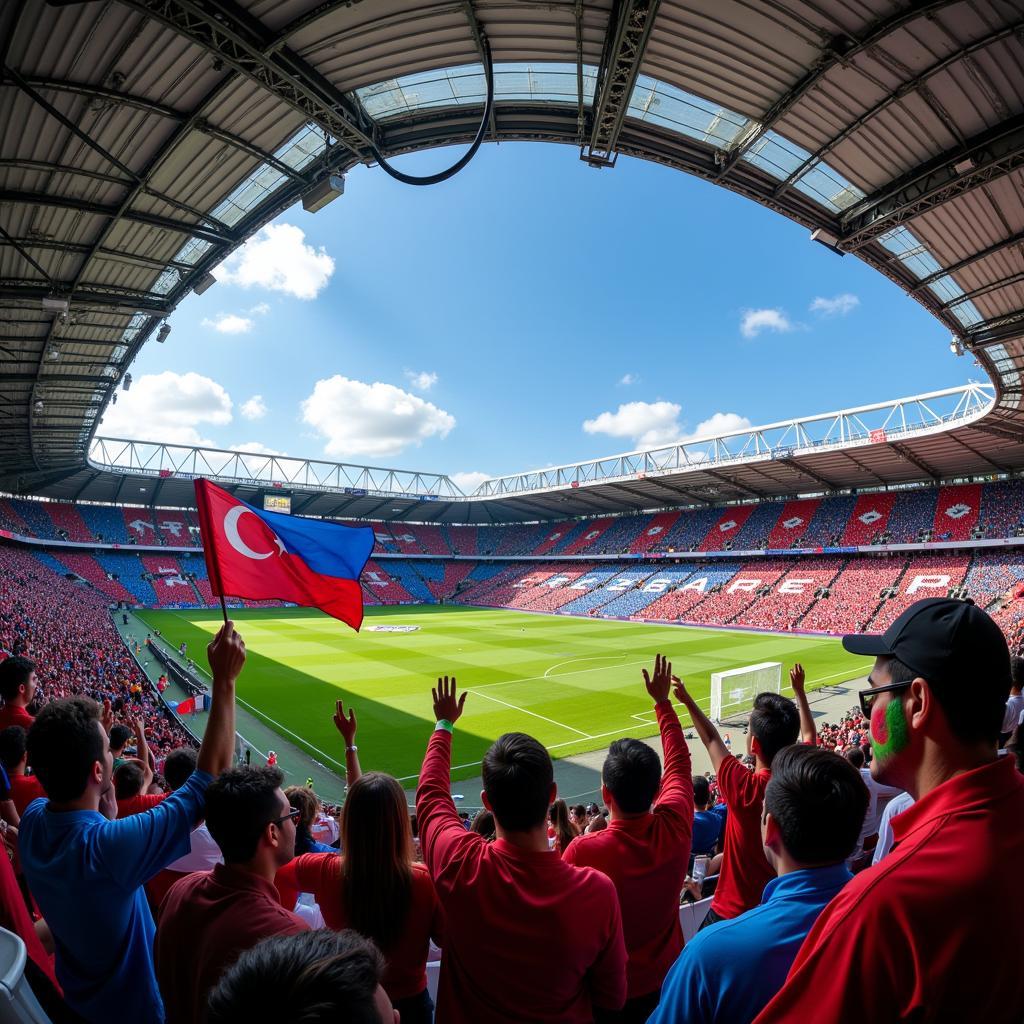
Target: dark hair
14	673
483	823
13	744
855	756
819	801
178	766
314	977
128	779
376	874
774	723
701	791
119	736
64	743
239	806
564	832
632	772
518	776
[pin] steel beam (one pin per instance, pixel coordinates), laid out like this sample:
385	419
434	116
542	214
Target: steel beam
735	484
97	92
839	51
996	330
102	210
914	460
241	41
625	42
985	289
93	295
981	160
247	147
967	261
81	249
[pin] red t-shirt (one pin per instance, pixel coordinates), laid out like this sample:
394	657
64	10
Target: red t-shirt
406	971
745	871
14	714
206	920
25	789
902	940
646	858
527	937
139	804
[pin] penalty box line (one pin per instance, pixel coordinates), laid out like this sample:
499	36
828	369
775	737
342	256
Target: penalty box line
533	714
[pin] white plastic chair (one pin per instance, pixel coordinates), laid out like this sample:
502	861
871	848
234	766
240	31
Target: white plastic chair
691	915
18	1005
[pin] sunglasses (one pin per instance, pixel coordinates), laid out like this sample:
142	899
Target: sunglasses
293	815
867	697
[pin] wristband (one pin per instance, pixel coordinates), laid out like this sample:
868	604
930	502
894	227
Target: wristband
352	748
445	725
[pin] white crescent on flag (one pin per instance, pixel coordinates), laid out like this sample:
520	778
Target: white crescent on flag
235	539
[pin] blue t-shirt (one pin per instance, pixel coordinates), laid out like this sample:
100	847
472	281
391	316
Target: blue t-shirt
86	873
729	971
707	828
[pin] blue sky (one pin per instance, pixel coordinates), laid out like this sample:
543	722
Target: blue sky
530	311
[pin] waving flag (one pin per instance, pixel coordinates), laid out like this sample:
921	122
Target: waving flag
274	556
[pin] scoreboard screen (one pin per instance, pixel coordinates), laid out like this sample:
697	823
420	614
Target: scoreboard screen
277	502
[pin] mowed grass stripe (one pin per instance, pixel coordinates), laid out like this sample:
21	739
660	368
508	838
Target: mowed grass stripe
575	684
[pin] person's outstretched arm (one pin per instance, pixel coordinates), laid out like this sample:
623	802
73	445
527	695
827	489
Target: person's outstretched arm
709	735
142	751
347	727
808	731
226	654
677	777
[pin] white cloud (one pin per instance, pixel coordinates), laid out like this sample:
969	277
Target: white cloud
719	423
469	482
629	378
757	320
168	407
376	420
261	308
229	323
254	408
422	380
278	258
647	423
255	448
838	306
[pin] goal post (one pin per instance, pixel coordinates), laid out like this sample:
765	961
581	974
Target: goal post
733	692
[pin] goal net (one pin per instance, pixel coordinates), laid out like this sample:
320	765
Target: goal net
733	692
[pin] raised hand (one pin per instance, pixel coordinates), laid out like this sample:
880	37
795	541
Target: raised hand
658	687
796	678
107	716
446	706
345	725
679	689
226	654
138	725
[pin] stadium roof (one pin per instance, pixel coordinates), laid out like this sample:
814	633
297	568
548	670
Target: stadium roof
143	140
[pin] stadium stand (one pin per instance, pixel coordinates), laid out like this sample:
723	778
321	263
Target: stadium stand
911	517
1002	510
655	534
957	510
854	596
168	580
926	576
827	526
586	538
383	539
106	524
406	576
793	524
383	587
139	524
722	607
561	533
443	578
131	574
462	540
563	588
512	540
630	591
702	580
175	526
67	522
786	603
726	528
10	519
589	591
869	518
37	522
89	569
754	533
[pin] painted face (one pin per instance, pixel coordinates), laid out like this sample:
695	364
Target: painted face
889	732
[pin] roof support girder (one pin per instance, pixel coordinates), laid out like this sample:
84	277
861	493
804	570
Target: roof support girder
839	50
982	159
967	261
241	41
97	92
625	42
730	482
985	289
81	249
154	220
996	330
902	449
92	295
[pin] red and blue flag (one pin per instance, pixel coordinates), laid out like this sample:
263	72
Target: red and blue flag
266	556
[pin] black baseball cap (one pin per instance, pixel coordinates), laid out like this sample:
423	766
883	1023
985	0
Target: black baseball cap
942	640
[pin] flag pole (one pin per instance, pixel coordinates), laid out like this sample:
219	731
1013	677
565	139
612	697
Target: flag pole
224	609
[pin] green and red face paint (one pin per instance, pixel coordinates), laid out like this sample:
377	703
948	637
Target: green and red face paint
889	731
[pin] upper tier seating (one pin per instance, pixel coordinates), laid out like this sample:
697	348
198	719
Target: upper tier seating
912	514
380	587
1002	510
175	527
869	518
754	533
67	521
168	581
721	607
828	523
462	540
855	595
678	604
926	576
793	523
726	527
586	539
128	569
957	511
790	597
106	524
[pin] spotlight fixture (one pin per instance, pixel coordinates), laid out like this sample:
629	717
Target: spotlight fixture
54	353
165	329
125	384
204	283
965	165
39	406
323	192
956	346
826	238
54	304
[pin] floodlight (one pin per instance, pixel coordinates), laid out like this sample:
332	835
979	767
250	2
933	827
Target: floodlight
39	405
956	346
323	192
827	239
204	283
54	304
125	384
165	329
54	353
965	165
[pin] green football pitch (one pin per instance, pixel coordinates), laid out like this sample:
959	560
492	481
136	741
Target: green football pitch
575	684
